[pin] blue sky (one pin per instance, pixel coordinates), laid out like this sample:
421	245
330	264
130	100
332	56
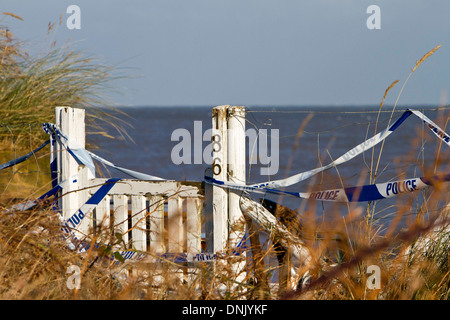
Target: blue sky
254	52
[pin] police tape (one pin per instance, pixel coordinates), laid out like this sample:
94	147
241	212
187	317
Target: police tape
70	226
181	258
375	191
131	173
84	157
441	134
355	194
27	205
77	241
80	154
53	154
272	186
24	157
205	257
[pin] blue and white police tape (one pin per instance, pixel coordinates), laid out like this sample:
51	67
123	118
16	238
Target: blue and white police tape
362	147
24	157
84	157
70	226
53	155
27	205
202	256
355	194
441	134
76	239
79	153
131	173
375	191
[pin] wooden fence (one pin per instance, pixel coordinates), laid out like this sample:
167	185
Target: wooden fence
161	216
173	217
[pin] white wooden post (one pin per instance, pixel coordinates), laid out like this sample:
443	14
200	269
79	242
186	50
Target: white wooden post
229	155
236	153
236	171
71	123
219	168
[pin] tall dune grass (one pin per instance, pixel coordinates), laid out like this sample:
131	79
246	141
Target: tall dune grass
32	86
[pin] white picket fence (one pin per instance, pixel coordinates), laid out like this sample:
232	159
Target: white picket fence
161	216
141	211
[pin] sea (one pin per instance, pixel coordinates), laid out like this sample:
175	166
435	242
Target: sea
155	135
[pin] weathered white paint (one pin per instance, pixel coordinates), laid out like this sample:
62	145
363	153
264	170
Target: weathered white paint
219	168
154	188
156	210
236	154
193	225
120	214
138	214
175	224
72	124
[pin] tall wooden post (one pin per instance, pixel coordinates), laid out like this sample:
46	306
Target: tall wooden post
229	155
236	171
219	171
229	164
236	153
71	122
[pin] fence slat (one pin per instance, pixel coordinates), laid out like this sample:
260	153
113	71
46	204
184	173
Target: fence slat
102	212
175	224
138	212
120	208
193	225
156	224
